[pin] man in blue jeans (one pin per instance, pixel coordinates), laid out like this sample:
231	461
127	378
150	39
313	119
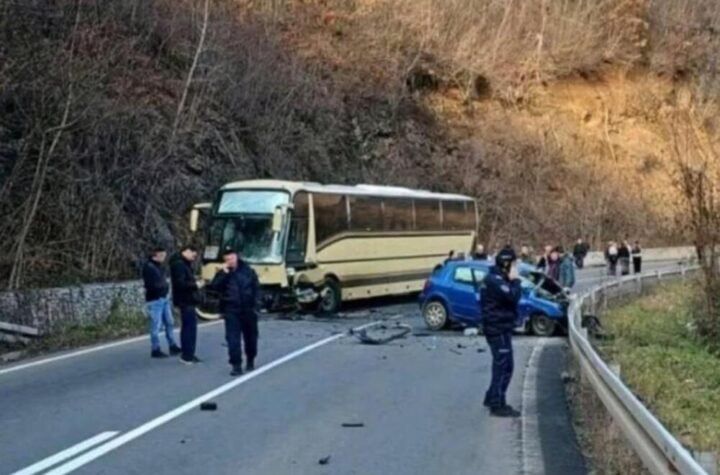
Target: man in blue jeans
157	302
185	295
501	292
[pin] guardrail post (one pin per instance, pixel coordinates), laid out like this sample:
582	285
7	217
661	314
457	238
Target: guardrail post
638	284
659	276
708	461
683	272
615	368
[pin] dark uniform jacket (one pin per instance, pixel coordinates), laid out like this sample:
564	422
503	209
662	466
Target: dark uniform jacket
184	287
499	300
239	290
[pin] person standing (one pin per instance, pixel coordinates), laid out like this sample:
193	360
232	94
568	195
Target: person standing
552	269
185	297
480	254
624	258
157	303
543	262
501	292
580	252
637	258
567	270
611	257
239	290
526	256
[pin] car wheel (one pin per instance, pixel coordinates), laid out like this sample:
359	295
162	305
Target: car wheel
330	297
541	325
435	315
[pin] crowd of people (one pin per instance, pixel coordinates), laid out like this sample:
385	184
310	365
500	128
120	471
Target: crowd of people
237	285
560	264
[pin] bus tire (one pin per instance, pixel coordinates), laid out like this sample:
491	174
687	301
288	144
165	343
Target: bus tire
330	296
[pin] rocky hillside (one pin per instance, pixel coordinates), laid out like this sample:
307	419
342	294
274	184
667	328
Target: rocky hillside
562	117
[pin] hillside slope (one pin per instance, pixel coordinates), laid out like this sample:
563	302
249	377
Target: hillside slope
559	116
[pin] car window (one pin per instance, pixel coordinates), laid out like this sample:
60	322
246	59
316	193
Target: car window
464	275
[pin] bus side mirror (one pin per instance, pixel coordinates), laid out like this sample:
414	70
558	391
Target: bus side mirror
277	220
195	215
194	218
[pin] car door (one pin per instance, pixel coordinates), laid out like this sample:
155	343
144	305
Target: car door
464	295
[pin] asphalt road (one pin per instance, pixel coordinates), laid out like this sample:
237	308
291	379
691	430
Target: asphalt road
418	400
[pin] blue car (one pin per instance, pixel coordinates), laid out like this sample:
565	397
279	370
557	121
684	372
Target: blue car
451	295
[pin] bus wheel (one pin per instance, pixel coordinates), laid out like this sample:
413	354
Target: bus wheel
541	325
435	315
330	297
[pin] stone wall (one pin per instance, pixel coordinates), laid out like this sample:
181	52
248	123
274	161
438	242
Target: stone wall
46	308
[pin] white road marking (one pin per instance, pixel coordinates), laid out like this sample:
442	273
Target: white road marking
190	405
66	454
85	351
532	455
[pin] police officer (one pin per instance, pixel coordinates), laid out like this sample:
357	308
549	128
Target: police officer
501	293
239	290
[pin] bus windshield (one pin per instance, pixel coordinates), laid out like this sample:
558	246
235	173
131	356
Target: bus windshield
243	222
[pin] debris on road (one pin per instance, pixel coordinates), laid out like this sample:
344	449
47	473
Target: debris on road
353	424
461	346
400	330
471	331
324	460
456	351
422	334
208	406
594	327
481	350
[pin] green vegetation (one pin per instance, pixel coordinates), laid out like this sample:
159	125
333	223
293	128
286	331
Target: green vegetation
665	363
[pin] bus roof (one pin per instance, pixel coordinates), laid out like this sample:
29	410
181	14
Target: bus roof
366	190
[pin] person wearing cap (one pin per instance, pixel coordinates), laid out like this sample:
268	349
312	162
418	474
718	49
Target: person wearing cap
500	295
185	296
239	289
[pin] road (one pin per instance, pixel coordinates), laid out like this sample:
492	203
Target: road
113	410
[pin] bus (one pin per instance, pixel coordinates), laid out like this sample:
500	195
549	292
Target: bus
318	245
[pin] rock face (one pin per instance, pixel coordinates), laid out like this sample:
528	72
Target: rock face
46	308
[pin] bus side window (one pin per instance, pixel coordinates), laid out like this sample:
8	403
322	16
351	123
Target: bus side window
366	214
330	216
454	215
397	214
297	239
427	215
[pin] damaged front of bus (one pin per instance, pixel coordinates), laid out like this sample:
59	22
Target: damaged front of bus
254	219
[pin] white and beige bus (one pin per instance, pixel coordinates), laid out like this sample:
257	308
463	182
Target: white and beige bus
320	245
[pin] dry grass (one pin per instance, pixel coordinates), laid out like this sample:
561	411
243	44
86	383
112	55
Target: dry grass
603	444
115	116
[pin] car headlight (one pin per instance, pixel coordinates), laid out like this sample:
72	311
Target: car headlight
290	272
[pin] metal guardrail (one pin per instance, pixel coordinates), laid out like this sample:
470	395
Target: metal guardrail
660	452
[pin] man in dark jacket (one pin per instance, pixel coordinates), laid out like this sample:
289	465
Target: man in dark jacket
239	290
500	294
580	252
157	303
185	297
